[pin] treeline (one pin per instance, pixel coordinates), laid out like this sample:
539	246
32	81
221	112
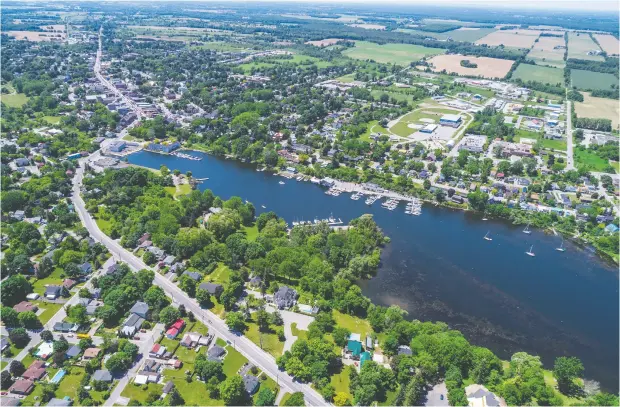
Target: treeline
439	27
541	87
610	65
593	124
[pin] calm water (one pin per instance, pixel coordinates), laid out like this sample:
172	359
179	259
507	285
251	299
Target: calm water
438	267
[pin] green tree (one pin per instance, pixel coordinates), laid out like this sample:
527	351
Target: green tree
14	290
9	317
29	320
232	391
19	337
265	397
295	400
566	370
168	315
235	321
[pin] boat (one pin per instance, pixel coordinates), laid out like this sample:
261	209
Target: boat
281	182
263	206
527	230
561	248
530	252
486	237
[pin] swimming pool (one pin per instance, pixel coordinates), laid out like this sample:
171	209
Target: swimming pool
58	376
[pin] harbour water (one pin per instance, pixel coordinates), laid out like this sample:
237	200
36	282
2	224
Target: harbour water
438	267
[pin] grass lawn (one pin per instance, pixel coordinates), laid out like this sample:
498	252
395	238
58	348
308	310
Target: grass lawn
299	333
220	275
400	54
616	165
50	310
341	381
285	398
544	74
547	143
251	232
270	341
220	342
589	159
353	324
373	127
390	398
233	361
140	393
187	356
171	344
104	225
70	383
52	119
53	279
179	190
16	100
346	78
194	393
3	364
200	328
592	80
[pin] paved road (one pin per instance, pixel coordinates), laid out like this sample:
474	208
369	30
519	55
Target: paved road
433	397
251	351
570	163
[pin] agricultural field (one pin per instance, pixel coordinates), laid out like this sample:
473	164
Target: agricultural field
53	32
580	44
510	38
400	54
589	80
545	52
537	73
487	67
324	43
608	43
599	108
368	26
464	34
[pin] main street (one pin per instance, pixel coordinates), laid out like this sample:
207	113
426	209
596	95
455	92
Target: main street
570	162
251	351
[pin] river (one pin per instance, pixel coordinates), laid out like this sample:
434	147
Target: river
438	267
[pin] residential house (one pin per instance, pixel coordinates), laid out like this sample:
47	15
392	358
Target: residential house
404	350
479	396
212	288
68	283
112	269
102	375
63	402
157	351
190	339
132	325
175	328
25	306
193	275
285	297
256	282
73	352
216	353
36	371
353	349
151	366
91	353
65	327
140	308
22	387
167	388
86	268
52	292
251	383
145	377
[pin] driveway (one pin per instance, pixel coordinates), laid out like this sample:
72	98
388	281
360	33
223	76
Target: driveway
433	397
289	318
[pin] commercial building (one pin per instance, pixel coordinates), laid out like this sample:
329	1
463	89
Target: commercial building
452	120
474	144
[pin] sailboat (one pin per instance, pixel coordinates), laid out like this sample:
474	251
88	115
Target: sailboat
561	248
530	252
527	230
486	237
281	182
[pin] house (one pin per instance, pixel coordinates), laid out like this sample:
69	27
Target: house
132	325
175	328
169	260
191	339
251	383
22	387
65	401
117	146
193	275
353	349
25	306
479	396
19	215
73	352
45	350
52	292
611	228
157	351
216	353
68	283
112	269
91	353
364	357
159	253
36	371
404	350
86	268
102	375
212	288
140	308
151	366
167	388
65	327
22	162
11	401
256	281
144	238
369	342
146	377
95	292
285	297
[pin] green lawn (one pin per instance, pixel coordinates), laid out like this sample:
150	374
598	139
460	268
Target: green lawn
589	159
233	361
53	279
179	190
270	341
285	398
220	275
353	324
15	100
373	127
220	342
3	364
299	333
140	393
582	79
50	310
392	53
300	60
341	381
104	225
346	78
70	383
544	74
52	119
251	232
456	34
194	393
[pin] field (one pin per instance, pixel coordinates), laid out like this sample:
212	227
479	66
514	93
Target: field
592	80
543	74
599	108
547	143
14	100
324	43
510	38
580	44
487	67
590	160
303	60
369	26
608	43
52	119
36	36
464	34
544	52
400	54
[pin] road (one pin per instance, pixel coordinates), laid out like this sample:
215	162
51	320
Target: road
570	163
252	352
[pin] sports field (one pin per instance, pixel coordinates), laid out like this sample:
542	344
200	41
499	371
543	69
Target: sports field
545	52
579	44
536	73
399	54
608	43
592	80
599	108
510	38
487	67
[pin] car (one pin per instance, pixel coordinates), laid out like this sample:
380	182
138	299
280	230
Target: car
70	335
3	393
441	397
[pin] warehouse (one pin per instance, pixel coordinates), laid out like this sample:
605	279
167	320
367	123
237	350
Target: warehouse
452	120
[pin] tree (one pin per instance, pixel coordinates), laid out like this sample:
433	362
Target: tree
19	337
29	320
483	362
206	369
235	321
341	336
14	290
17	368
342	399
188	285
168	315
156	298
296	399
265	397
78	314
566	370
262	320
232	391
203	297
9	317
5	380
118	362
175	398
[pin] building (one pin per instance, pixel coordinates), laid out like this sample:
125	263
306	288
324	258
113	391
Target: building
157	351
216	353
212	288
364	357
452	120
429	128
102	375
175	328
117	146
65	401
140	308
193	275
91	353
191	339
65	327
68	283
285	297
52	292
404	350
25	306
164	147
86	268
73	352
22	387
167	388
353	349
479	396
251	383
132	325
36	371
474	144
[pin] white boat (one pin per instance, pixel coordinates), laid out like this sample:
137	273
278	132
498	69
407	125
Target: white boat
527	230
530	252
263	206
486	237
561	248
281	182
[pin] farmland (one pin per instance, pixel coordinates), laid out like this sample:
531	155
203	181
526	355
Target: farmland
608	43
464	34
324	43
399	54
537	73
588	80
579	45
487	67
510	38
599	108
544	52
